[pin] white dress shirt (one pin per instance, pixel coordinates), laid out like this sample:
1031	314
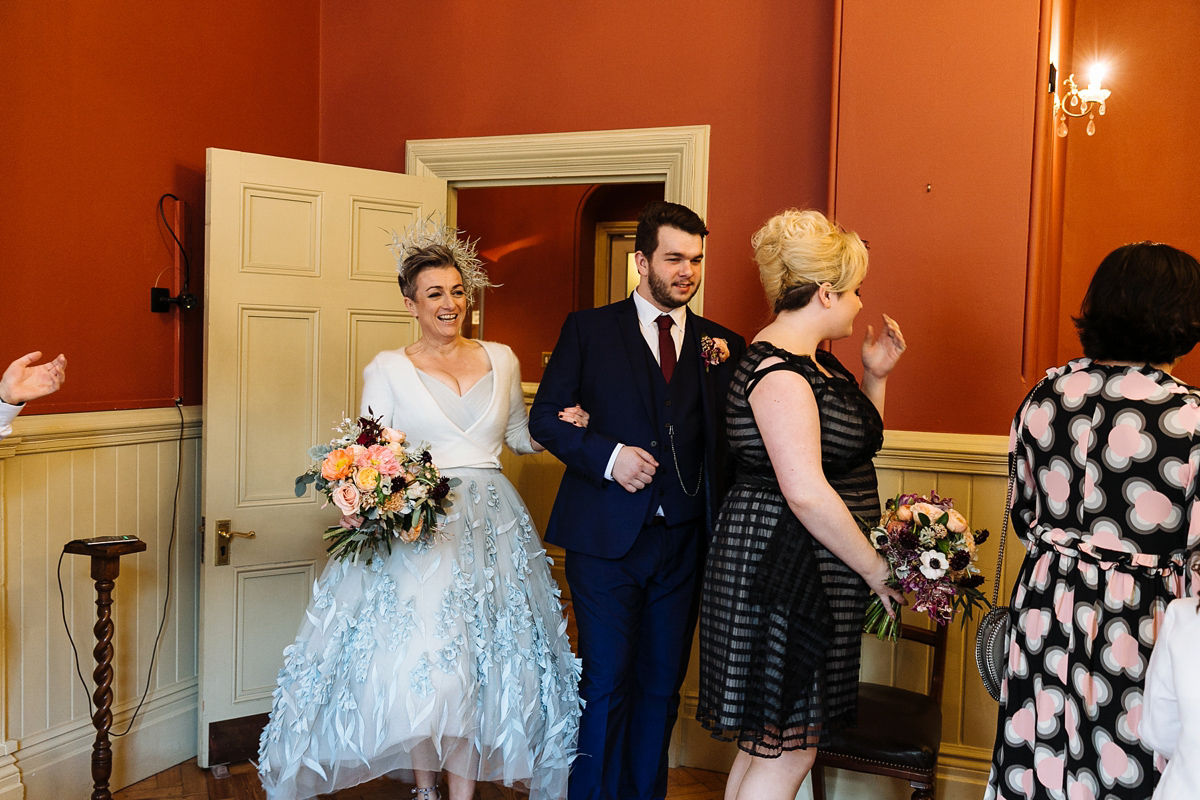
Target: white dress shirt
648	325
1171	702
7	414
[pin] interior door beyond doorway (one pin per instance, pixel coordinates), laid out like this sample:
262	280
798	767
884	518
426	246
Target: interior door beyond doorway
616	274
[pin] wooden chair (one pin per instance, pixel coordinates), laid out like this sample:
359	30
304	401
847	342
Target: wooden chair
898	733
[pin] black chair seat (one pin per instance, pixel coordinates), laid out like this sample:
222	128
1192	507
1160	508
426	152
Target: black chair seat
895	726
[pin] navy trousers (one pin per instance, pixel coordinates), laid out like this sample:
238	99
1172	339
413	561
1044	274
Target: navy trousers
635	615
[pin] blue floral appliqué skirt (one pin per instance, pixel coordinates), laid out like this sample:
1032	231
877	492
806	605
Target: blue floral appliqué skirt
451	656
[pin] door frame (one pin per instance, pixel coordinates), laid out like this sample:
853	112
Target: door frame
675	156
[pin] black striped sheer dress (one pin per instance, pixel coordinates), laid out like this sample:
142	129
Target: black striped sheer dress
781	616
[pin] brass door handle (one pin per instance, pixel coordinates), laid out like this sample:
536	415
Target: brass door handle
225	537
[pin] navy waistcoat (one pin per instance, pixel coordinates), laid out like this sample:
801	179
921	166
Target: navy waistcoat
679	410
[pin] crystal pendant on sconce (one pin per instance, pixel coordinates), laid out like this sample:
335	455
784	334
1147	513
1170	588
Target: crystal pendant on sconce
1062	126
1091	126
1101	109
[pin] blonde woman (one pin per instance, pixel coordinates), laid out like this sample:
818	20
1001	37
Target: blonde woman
789	571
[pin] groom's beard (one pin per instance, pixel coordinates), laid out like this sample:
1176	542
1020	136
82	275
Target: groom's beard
661	291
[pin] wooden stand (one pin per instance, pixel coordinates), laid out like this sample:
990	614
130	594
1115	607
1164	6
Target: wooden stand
106	565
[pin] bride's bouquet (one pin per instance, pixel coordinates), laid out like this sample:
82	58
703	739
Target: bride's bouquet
384	490
931	551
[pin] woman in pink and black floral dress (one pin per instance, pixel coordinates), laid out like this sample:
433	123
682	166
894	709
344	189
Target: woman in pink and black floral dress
1107	455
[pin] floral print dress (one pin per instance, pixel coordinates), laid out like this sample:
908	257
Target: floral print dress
1105	503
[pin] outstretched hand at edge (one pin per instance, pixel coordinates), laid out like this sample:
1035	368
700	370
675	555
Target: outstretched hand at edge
22	382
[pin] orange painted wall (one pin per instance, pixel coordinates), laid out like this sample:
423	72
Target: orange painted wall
106	107
941	94
1139	176
757	71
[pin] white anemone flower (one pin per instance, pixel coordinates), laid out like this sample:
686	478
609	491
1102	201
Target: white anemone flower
933	564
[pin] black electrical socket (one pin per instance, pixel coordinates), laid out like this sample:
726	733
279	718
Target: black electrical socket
160	300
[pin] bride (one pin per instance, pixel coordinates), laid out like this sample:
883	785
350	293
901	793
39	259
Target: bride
447	657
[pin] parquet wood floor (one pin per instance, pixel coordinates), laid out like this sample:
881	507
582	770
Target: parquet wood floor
187	781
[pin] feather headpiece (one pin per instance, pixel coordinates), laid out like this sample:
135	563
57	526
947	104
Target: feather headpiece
433	231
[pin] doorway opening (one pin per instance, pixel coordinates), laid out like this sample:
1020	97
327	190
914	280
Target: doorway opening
551	249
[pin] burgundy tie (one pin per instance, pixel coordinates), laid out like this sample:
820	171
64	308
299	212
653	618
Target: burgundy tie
666	346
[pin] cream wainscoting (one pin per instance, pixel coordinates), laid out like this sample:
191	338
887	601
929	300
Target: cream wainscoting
73	476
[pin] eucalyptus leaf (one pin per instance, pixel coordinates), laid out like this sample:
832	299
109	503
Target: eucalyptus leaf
319	451
302	482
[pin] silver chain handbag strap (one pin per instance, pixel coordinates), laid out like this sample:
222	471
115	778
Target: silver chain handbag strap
1008	503
1009	497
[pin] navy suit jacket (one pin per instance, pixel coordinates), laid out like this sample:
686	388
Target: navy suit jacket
602	363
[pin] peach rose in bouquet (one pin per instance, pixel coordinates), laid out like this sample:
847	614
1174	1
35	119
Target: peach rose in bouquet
347	498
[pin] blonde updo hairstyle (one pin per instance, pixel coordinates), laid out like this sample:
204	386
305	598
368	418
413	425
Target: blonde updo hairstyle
797	251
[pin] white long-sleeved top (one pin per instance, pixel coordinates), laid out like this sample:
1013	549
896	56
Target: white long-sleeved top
1171	702
7	414
393	391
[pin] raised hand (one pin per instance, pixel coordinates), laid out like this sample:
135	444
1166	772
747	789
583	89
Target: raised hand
880	353
22	382
634	468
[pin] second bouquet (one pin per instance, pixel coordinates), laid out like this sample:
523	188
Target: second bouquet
931	550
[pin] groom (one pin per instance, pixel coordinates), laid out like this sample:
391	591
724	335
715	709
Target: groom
642	486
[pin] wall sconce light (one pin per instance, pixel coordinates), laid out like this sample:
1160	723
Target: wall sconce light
1082	102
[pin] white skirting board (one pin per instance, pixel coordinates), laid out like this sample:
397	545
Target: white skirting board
58	763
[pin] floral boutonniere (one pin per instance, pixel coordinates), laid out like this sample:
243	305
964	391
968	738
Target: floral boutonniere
713	351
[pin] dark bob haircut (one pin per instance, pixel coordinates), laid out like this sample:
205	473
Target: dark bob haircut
659	213
1143	304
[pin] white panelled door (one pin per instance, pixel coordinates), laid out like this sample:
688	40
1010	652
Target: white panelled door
300	294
